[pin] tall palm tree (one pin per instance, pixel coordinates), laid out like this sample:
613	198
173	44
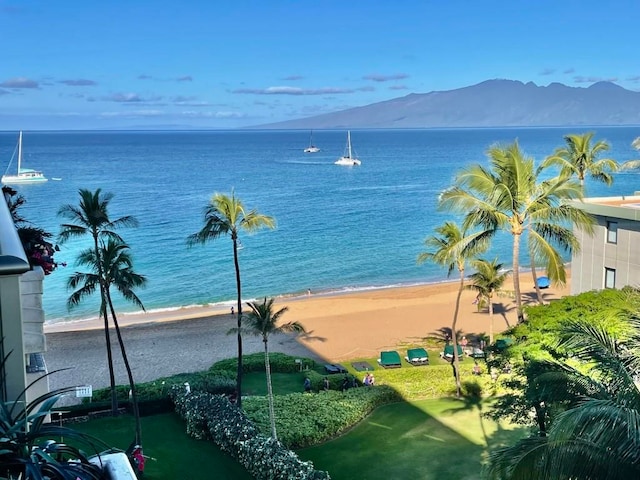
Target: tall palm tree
545	239
487	279
510	196
91	218
452	247
580	157
262	321
227	215
597	435
117	268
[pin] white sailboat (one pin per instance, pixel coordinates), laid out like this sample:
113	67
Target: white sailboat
24	175
311	148
348	159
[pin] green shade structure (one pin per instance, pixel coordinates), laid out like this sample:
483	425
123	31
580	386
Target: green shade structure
390	359
417	356
448	352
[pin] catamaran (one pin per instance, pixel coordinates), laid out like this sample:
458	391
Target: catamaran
24	175
348	159
311	148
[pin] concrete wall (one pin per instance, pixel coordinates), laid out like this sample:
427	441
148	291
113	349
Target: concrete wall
33	337
588	265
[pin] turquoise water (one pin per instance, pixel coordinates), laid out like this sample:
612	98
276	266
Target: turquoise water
339	228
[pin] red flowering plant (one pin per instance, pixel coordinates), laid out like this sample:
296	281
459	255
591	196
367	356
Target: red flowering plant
35	241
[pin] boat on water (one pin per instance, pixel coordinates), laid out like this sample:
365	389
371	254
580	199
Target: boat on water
23	175
348	159
311	148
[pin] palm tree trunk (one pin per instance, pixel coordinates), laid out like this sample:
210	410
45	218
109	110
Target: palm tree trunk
272	412
490	319
516	276
132	385
535	280
112	377
103	309
239	317
454	336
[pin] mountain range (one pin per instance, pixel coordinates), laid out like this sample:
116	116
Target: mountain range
493	103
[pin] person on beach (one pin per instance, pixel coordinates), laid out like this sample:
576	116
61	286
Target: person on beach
345	383
232	310
476	368
368	380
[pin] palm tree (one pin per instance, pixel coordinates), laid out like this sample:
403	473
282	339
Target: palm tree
488	279
116	264
632	164
509	196
91	217
262	322
227	215
597	435
452	247
580	157
544	240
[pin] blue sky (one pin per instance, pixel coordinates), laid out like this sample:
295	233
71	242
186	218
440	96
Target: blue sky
226	64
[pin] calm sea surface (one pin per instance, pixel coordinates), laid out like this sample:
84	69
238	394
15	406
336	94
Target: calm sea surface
338	228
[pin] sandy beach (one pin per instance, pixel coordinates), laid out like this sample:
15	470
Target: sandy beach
340	326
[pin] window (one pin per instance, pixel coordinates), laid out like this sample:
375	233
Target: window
609	277
612	232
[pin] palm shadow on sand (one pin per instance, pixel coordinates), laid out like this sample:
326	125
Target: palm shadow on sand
530	298
500	309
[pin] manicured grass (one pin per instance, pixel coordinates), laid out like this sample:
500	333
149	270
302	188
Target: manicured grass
165	439
427	439
255	383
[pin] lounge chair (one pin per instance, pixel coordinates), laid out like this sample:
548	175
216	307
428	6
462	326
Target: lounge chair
477	353
502	344
362	366
447	354
417	356
390	359
334	368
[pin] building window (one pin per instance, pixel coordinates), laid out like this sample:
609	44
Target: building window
612	232
609	277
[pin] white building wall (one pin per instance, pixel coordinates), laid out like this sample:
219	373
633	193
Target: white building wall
596	254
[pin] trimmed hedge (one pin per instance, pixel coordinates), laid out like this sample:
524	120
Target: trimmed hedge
279	362
218	382
304	419
214	417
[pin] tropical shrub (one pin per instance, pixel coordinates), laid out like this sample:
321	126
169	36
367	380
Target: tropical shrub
219	382
29	447
280	363
309	419
214	417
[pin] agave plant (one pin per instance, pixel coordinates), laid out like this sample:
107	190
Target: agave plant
32	449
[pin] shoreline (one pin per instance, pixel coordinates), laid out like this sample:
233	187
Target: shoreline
188	312
341	328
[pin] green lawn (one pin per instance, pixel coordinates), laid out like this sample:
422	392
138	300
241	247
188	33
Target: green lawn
255	383
423	440
165	439
417	440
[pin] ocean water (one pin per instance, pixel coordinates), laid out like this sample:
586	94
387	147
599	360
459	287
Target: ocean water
338	228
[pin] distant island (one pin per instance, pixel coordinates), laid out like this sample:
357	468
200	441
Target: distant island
493	103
